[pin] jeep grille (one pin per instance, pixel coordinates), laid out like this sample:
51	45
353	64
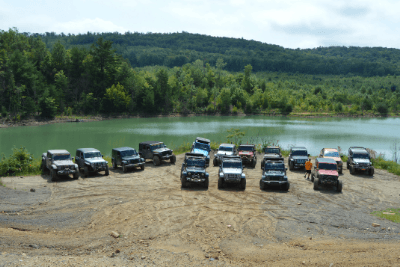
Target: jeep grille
233	176
134	161
301	161
164	153
275	178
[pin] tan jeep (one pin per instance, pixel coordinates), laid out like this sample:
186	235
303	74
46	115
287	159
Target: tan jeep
332	153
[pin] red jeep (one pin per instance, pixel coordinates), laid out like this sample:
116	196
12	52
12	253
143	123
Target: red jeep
248	154
325	172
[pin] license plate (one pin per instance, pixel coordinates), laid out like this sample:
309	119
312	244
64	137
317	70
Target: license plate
136	165
363	169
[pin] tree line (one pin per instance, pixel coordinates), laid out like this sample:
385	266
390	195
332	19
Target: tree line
96	79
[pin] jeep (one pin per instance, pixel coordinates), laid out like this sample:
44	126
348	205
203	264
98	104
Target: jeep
231	172
126	157
59	162
297	157
274	174
248	154
359	160
273	150
333	154
224	150
202	145
194	170
271	157
325	172
156	151
90	160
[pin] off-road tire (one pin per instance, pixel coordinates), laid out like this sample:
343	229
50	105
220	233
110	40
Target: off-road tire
371	171
341	171
173	159
184	183
254	163
243	184
339	186
348	166
291	167
262	164
107	172
220	183
262	185
43	167
156	161
206	183
351	169
114	164
142	167
85	171
53	175
316	180
215	162
285	187
76	175
124	168
312	177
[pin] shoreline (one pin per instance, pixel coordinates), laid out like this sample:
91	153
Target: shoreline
36	121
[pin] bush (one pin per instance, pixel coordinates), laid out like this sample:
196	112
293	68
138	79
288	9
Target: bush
234	110
48	107
382	108
391	166
20	162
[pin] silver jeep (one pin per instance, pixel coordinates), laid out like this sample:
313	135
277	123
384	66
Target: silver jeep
91	160
231	172
59	162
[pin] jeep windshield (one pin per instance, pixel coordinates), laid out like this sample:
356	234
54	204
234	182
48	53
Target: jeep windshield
361	156
245	148
195	163
62	157
331	154
92	155
299	153
202	146
225	148
272	150
157	146
327	166
236	165
128	153
275	167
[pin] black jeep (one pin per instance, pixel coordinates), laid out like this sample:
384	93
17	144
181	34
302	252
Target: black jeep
156	151
297	157
126	157
274	174
359	160
271	157
194	170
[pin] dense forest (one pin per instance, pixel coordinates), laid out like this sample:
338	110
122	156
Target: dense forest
135	73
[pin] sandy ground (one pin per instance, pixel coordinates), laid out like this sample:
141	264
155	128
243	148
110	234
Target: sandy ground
70	222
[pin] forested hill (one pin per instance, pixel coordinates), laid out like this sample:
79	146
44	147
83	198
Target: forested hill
177	49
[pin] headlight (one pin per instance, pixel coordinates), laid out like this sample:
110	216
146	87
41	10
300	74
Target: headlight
356	163
291	159
76	166
202	174
215	155
189	173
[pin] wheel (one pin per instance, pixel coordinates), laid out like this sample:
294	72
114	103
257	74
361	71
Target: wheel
262	164
184	183
316	183
339	186
53	175
124	168
351	169
76	175
291	167
107	172
312	177
254	163
371	171
215	162
243	184
173	159
85	171
341	171
206	183
262	185
114	164
220	183
43	167
347	163
142	167
156	160
285	187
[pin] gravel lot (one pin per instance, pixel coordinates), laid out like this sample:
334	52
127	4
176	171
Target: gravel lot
70	222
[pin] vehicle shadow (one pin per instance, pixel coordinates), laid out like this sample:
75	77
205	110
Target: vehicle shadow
130	170
231	188
59	179
91	174
274	189
194	187
328	190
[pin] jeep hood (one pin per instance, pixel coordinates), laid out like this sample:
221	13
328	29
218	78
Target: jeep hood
225	153
232	171
95	160
63	162
274	173
334	158
200	151
249	153
195	169
361	161
328	172
299	157
130	157
160	150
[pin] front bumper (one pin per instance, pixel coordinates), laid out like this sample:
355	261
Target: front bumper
269	182
299	164
65	172
196	179
361	168
99	168
167	157
131	165
247	160
232	180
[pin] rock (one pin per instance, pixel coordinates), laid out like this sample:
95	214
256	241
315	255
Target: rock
229	225
304	262
388	228
117	251
330	265
389	213
298	203
33	190
143	257
376	225
114	234
34	246
212	259
310	238
21	177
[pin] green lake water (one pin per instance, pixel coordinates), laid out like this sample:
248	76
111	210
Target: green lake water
314	133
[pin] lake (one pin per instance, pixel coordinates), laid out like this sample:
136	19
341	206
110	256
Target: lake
378	134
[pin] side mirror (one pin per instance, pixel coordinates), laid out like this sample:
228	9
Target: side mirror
308	155
72	158
102	156
286	169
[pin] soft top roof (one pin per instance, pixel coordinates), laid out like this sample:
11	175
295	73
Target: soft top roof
150	142
85	150
58	151
202	140
326	160
272	155
359	150
227	145
231	157
198	155
330	149
247	145
123	148
299	148
272	147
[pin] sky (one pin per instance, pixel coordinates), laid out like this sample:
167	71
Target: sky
291	24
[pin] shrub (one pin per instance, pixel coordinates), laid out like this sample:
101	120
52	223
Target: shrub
382	108
234	110
20	162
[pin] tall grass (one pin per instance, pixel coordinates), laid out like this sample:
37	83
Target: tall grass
391	166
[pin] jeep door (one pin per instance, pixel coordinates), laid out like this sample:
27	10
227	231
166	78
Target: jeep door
48	160
81	160
147	152
118	158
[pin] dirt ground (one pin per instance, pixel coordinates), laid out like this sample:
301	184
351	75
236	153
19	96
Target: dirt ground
70	222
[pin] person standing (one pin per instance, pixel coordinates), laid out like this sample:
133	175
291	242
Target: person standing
308	168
